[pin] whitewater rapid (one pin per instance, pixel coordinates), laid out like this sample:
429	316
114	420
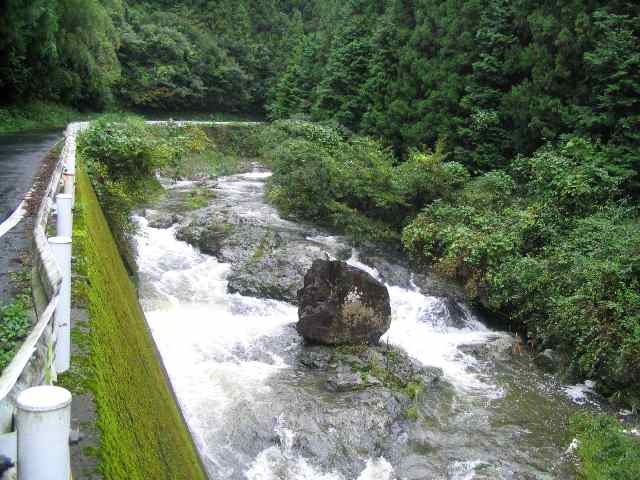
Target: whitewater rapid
222	352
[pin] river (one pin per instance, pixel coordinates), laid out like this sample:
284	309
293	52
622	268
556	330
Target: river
257	414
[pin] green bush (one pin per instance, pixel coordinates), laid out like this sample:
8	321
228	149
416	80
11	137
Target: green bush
125	148
424	177
320	173
604	450
554	249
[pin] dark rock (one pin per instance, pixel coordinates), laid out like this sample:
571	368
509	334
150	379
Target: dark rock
159	219
340	304
315	360
548	360
345	382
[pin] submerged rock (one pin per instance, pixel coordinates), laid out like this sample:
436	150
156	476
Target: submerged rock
340	304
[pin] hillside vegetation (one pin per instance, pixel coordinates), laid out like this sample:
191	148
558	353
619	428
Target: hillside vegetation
497	141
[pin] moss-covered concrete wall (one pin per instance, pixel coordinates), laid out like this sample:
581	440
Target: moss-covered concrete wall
143	434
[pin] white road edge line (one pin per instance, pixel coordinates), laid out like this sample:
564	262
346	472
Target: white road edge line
14	219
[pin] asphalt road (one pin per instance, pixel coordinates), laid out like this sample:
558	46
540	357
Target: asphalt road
21	155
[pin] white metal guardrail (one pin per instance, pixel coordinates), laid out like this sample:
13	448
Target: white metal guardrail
36	362
46	270
25	384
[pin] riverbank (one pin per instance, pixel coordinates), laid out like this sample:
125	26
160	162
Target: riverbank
142	432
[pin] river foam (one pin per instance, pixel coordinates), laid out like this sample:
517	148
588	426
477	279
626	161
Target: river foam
230	361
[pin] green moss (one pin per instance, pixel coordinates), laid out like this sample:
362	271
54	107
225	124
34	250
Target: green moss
262	248
199	198
143	433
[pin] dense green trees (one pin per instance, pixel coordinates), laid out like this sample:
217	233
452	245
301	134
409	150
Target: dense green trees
156	55
61	50
489	78
503	136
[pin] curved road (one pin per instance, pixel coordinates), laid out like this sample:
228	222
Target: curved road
21	155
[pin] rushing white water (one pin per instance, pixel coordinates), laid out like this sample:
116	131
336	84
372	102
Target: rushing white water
223	351
417	326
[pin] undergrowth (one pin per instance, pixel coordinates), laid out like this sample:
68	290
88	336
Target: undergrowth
36	115
605	451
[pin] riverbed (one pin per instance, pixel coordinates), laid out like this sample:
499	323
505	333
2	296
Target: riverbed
257	413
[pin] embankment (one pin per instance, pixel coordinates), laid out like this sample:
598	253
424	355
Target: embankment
143	433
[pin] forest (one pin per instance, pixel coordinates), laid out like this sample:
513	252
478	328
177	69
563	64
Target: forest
495	141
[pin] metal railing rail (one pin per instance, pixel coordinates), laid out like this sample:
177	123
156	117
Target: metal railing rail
46	268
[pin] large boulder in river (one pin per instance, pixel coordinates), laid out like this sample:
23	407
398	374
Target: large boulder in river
340	304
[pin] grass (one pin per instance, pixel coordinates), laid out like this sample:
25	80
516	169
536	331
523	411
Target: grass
210	163
143	433
15	325
36	115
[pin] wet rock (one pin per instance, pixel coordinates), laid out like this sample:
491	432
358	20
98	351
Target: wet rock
315	360
268	259
352	368
548	360
208	238
345	382
274	267
158	219
340	304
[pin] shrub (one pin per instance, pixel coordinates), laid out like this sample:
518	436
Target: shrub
604	450
425	177
551	248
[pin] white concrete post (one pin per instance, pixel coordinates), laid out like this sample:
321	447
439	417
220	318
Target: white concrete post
68	180
43	421
61	247
69	174
64	216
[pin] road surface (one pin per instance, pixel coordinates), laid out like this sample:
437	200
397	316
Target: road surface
21	155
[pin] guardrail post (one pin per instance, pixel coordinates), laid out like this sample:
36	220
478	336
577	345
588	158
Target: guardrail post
61	247
43	422
69	173
68	180
63	213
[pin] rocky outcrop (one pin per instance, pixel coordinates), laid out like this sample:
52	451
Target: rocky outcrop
158	219
340	304
359	367
548	360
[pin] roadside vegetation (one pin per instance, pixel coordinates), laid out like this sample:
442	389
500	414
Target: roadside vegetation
15	325
16	313
122	156
35	116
